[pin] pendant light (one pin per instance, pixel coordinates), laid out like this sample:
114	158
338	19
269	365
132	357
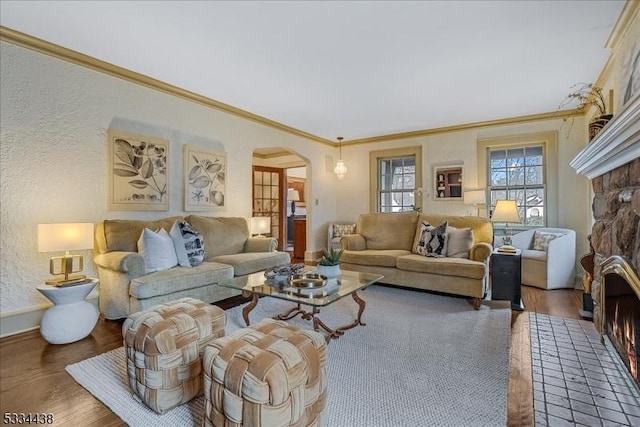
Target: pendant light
340	169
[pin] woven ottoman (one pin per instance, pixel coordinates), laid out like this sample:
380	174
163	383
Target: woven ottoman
164	346
271	374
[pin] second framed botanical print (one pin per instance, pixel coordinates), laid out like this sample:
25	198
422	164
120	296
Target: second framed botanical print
205	179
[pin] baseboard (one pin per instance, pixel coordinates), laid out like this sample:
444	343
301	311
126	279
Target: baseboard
27	319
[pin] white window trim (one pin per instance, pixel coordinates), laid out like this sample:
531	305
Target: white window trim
549	142
375	156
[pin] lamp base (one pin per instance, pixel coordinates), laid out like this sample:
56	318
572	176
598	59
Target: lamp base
67	281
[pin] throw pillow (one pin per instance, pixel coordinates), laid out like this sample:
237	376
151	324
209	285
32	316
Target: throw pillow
541	239
459	242
189	244
340	230
433	240
157	250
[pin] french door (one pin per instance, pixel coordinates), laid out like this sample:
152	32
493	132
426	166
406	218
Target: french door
269	199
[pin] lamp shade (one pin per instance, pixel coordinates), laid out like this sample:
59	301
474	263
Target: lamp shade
506	211
260	224
293	195
474	197
65	237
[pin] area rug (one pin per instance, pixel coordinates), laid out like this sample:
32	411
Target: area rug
422	359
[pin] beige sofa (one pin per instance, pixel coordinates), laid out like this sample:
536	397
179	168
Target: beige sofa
126	287
385	244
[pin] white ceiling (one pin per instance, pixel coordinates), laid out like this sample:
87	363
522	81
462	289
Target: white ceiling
356	69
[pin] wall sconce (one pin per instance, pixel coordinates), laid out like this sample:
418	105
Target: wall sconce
260	224
475	198
506	211
65	237
340	169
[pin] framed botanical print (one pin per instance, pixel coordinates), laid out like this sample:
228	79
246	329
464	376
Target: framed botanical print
205	179
138	172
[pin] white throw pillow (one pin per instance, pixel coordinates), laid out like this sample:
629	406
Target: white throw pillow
459	242
157	250
189	244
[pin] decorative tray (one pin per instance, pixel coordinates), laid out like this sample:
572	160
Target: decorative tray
307	280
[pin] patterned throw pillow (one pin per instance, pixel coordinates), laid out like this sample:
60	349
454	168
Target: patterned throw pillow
340	230
459	242
541	239
433	240
189	244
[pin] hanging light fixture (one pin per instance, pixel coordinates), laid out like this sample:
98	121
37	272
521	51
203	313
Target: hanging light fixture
341	168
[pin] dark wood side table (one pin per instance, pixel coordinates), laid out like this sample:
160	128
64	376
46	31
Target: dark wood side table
506	278
299	237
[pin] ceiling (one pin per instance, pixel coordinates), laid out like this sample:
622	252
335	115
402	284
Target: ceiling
356	69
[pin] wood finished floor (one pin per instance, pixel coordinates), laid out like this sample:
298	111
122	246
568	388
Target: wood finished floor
33	379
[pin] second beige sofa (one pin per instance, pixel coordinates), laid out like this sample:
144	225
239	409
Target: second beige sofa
385	244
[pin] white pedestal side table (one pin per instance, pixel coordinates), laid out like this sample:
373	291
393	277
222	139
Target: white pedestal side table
72	317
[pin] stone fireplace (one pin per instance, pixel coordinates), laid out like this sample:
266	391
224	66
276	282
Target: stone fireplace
612	162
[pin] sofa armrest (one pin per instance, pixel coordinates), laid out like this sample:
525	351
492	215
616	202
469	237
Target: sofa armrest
353	242
131	263
260	244
480	251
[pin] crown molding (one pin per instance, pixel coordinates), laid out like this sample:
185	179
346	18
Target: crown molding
511	120
42	46
24	40
622	25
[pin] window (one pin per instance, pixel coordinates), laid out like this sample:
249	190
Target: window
517	173
396	179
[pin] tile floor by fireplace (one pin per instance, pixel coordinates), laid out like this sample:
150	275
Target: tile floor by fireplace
577	381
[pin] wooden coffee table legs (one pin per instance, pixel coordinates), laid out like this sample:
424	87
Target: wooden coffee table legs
247	309
312	315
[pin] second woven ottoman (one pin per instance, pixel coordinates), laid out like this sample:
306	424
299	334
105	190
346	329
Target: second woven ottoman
164	346
271	374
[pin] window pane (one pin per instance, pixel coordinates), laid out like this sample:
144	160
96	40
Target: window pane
534	155
515	176
533	175
498	178
515	157
498	159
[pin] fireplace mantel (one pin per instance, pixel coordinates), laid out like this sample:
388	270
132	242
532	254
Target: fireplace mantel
617	143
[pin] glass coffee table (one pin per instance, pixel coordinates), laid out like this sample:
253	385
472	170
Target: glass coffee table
348	283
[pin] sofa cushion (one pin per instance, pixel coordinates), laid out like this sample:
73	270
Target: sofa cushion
432	241
388	230
535	255
189	244
122	234
459	242
222	235
157	250
381	258
459	267
482	227
179	279
251	262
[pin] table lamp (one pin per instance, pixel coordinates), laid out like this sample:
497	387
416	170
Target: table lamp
506	211
65	237
293	196
260	224
475	198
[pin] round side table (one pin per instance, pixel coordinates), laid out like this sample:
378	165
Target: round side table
72	317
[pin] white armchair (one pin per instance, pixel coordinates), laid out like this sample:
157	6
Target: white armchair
548	257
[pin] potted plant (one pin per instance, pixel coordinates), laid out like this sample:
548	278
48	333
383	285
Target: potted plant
329	264
589	95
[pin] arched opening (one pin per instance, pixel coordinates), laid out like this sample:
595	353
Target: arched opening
281	191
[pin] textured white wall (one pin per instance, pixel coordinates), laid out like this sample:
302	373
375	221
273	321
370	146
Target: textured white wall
54	117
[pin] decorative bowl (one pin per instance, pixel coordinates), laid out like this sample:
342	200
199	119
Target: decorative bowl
307	280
